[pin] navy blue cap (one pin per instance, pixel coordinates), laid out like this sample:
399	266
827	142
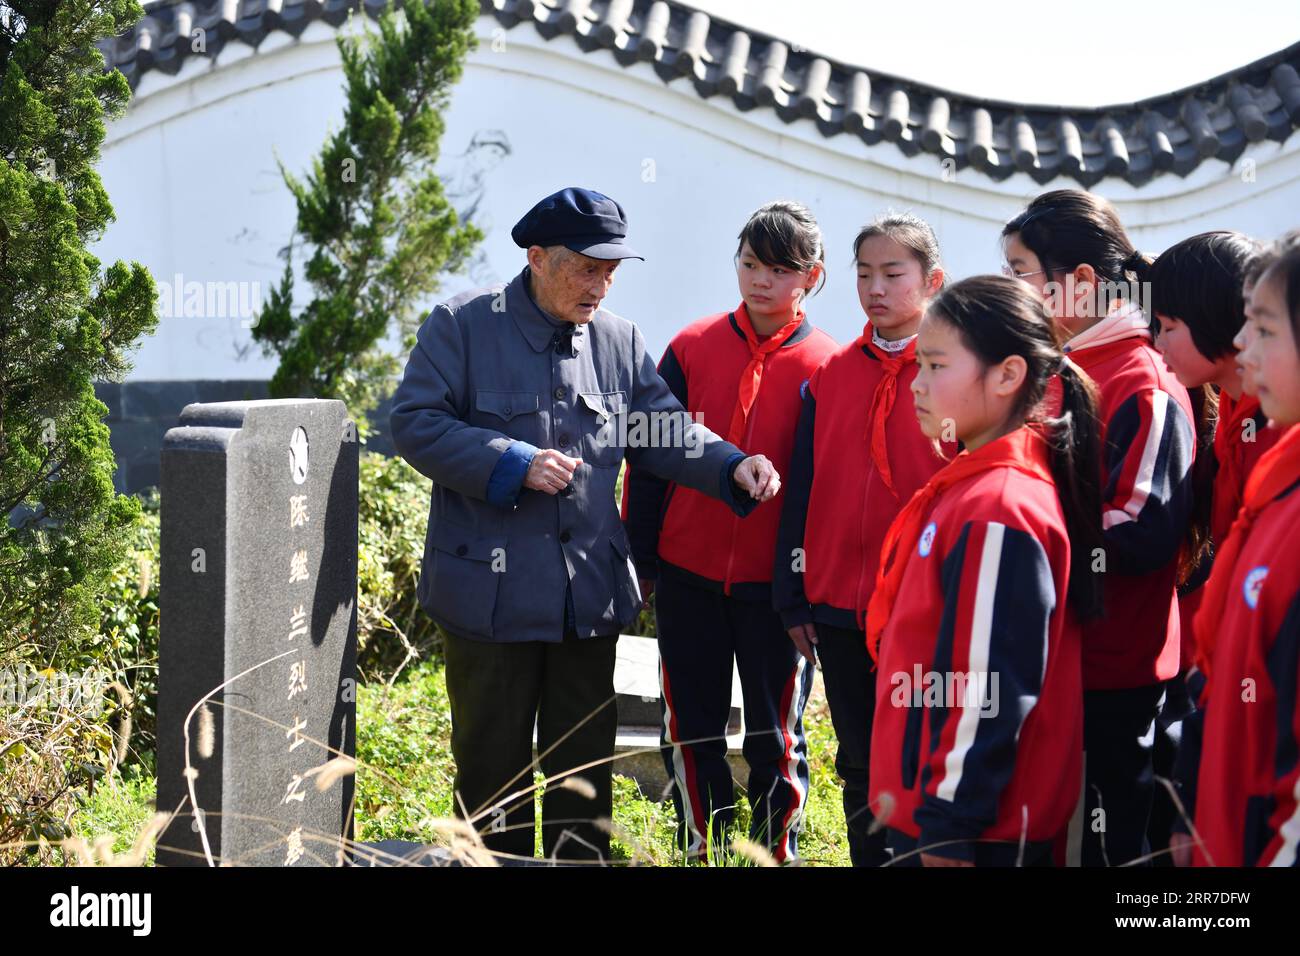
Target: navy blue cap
579	219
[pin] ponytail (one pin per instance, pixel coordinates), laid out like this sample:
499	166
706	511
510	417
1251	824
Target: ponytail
1065	228
1075	441
1139	264
997	317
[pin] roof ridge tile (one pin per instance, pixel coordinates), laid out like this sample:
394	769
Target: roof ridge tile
1171	133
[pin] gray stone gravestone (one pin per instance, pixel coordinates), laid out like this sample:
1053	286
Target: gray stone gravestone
258	618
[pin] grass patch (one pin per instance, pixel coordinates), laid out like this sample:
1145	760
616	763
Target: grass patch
119	807
405	773
404	733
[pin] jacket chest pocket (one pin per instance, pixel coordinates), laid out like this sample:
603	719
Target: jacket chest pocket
604	422
511	413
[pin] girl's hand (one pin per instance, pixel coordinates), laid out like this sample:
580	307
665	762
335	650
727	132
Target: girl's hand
1180	848
805	639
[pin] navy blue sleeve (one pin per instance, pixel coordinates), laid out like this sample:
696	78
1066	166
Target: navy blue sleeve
733	496
1147	499
647	493
694	455
999	597
788	598
507	478
430	406
1283	663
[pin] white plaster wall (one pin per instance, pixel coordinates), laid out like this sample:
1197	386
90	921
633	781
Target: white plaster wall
191	171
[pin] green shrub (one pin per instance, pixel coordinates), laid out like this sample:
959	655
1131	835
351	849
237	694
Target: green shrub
394	513
128	633
53	752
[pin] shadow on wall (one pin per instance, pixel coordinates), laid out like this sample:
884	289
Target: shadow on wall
139	414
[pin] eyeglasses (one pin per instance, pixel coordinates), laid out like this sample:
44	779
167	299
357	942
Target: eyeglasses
1011	273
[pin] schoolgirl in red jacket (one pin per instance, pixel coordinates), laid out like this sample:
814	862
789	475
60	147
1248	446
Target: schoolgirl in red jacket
1198	306
984	576
1248	627
858	457
739	372
1070	247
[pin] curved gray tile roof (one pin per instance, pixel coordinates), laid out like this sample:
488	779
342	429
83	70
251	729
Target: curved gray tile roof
1171	133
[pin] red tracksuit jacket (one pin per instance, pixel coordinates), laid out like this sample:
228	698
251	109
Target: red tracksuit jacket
983	592
1230	443
1248	790
837	508
1236	450
1148	449
681	531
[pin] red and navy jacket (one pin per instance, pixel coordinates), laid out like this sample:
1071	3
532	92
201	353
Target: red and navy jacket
983	597
1242	435
1247	811
1148	449
1243	441
678	531
837	507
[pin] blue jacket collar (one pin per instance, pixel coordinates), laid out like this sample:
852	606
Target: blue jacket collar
538	328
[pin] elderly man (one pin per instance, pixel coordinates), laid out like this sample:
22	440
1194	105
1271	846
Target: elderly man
520	402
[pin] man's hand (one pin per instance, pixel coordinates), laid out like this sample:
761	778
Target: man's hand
550	471
1180	847
805	639
647	589
757	476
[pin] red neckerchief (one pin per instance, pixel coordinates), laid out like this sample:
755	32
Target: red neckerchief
1276	471
1227	451
752	377
882	401
1024	449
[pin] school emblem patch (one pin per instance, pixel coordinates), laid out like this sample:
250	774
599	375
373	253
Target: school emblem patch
1251	587
927	540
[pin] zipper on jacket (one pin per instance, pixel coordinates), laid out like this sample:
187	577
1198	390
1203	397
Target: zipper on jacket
735	519
859	612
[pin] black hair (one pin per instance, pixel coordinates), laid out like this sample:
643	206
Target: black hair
784	233
911	232
998	317
1280	262
1198	282
1065	228
1197	540
1268	254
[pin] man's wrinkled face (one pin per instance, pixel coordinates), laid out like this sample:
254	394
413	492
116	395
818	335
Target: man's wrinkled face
569	285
